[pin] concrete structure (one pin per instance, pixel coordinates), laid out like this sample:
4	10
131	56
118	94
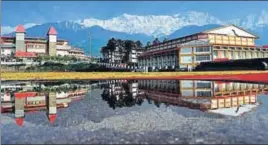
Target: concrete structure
213	96
133	55
226	98
27	47
52	41
25	101
224	43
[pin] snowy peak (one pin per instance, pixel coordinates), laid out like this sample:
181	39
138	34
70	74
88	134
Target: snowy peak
160	25
155	25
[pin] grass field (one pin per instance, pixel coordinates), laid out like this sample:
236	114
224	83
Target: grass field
130	75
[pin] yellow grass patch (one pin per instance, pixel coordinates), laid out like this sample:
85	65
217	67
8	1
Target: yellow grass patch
106	75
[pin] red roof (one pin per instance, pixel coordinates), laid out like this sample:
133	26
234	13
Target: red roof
265	46
19	121
20	29
25	94
52	117
52	31
25	54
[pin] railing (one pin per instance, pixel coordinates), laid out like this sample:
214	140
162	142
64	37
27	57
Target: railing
14	63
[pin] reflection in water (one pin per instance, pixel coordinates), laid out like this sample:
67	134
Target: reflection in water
227	98
25	97
121	93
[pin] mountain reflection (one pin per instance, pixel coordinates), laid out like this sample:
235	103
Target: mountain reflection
21	98
227	98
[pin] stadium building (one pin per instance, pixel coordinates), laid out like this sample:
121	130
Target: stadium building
219	44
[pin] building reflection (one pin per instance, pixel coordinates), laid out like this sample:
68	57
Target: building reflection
22	99
227	98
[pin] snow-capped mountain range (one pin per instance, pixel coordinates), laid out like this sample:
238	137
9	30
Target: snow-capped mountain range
144	28
161	25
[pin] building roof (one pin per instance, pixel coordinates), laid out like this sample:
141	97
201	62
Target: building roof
265	46
20	29
233	111
208	31
19	121
52	31
52	118
76	50
234	26
25	94
25	54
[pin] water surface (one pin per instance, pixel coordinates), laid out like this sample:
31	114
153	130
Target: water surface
136	111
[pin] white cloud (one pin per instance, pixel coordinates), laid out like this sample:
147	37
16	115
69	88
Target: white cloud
263	18
6	29
9	29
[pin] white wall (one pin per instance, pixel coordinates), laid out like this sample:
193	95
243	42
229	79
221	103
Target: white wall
36	50
20	36
7	51
52	38
62	52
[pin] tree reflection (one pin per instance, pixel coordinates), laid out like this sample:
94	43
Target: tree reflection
122	97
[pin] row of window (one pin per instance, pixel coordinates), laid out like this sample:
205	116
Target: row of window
239	54
34	46
161	64
152	62
189	59
198	49
203	93
237	86
202	49
230	38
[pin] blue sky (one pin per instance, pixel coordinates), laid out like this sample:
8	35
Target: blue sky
21	12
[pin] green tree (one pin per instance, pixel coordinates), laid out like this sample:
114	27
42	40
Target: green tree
138	44
111	45
148	43
165	39
156	41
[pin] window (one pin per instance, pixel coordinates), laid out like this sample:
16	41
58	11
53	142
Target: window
202	49
215	54
239	54
259	54
203	93
254	55
186	50
248	54
244	55
202	58
224	53
203	84
232	54
186	59
186	84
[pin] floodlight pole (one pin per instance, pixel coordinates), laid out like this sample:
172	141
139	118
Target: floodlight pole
90	46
